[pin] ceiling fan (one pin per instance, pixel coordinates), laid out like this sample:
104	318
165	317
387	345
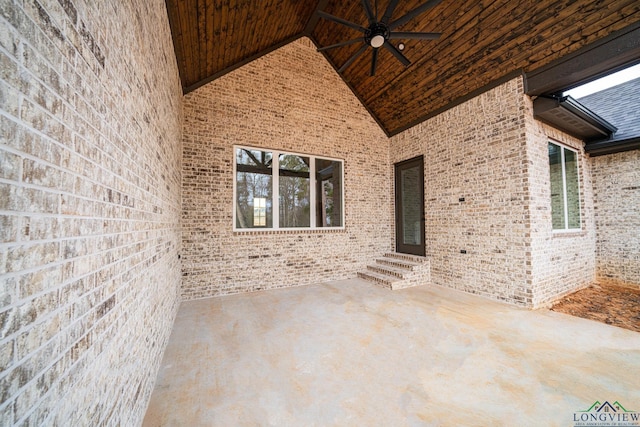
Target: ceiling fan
380	31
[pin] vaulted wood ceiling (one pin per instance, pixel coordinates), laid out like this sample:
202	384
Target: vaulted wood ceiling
483	42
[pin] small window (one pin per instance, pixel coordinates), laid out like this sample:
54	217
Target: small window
306	191
565	188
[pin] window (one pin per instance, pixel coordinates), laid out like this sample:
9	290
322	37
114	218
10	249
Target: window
305	192
565	190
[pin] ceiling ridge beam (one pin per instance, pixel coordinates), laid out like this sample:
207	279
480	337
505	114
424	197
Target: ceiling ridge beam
313	20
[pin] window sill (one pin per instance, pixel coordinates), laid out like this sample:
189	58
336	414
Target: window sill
254	231
569	233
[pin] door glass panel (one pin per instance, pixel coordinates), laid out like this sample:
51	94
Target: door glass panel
294	191
411	209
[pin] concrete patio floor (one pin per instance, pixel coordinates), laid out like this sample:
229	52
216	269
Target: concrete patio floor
351	354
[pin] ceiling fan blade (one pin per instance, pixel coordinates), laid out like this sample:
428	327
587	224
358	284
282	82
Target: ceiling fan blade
391	48
353	58
367	9
414	36
415	12
346	43
374	60
344	22
387	13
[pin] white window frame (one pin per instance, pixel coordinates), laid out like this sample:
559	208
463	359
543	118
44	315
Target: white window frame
275	183
565	201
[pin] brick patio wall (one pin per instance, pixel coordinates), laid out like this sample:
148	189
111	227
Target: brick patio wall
475	152
616	181
561	262
290	99
488	202
90	181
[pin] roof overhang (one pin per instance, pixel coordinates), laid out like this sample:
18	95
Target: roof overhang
568	115
600	148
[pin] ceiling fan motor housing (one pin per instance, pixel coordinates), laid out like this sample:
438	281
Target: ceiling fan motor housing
376	35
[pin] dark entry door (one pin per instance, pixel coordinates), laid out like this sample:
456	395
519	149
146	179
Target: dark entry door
409	178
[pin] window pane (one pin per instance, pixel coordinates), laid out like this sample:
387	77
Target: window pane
557	192
294	191
573	190
253	188
328	193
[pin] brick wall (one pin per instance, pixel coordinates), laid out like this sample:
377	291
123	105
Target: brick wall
616	182
475	151
561	262
291	100
492	153
90	181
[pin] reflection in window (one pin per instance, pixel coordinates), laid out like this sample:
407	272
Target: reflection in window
307	191
294	191
328	193
259	212
253	188
565	188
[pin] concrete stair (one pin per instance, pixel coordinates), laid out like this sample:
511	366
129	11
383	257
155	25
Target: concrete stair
398	271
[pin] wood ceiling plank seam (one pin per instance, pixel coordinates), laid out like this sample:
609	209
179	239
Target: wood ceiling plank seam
404	85
239	27
441	52
202	37
228	16
210	37
178	41
240	14
218	24
253	33
280	25
185	23
195	49
271	24
302	13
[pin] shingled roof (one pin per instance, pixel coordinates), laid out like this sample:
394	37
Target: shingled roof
620	106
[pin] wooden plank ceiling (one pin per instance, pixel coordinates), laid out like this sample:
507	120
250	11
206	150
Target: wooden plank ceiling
482	42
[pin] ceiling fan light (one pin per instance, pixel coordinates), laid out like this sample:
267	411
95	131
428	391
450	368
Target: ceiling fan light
377	41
